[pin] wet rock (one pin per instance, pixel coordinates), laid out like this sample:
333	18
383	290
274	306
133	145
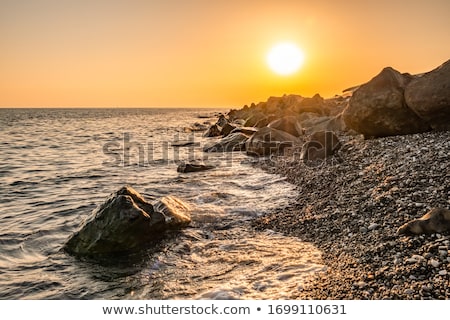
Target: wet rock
245	130
378	108
269	141
429	96
227	128
176	212
232	142
193	167
435	220
213	131
124	222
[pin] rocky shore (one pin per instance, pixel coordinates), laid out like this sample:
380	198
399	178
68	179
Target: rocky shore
367	165
351	205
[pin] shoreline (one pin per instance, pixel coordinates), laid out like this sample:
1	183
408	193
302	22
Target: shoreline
350	207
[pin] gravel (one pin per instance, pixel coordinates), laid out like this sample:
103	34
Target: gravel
351	205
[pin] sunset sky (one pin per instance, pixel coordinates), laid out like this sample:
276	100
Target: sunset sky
184	53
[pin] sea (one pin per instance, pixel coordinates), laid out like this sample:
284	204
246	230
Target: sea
58	165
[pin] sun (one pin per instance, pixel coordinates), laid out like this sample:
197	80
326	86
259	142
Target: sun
285	58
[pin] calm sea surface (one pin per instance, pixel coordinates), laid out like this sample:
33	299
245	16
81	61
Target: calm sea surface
57	165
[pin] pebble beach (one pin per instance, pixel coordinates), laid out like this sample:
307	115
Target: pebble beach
351	205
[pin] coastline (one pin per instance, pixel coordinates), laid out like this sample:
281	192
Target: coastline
351	205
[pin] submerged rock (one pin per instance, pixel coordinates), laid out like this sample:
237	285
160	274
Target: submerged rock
193	167
124	222
435	220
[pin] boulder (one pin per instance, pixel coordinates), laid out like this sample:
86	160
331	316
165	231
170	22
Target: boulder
256	119
123	223
232	142
213	131
289	124
326	123
268	141
315	104
319	146
193	167
227	128
245	130
429	96
435	220
378	108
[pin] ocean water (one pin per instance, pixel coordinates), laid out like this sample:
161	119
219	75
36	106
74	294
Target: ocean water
57	165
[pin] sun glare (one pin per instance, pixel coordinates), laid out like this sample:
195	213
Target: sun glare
285	58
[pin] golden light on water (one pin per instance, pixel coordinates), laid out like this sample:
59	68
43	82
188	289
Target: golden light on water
285	58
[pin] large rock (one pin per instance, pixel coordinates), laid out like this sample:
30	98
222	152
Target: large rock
378	108
268	141
435	220
289	124
213	131
232	142
325	123
429	96
320	145
125	222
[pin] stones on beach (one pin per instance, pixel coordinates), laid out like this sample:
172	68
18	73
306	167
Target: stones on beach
320	145
269	141
428	95
184	167
126	222
435	220
378	108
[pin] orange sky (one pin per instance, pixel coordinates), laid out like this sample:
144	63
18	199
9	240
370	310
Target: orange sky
202	53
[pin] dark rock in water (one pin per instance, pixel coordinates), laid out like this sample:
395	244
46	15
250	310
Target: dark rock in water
320	145
378	108
213	131
289	124
435	220
232	142
429	96
269	141
193	167
227	128
222	121
124	222
184	143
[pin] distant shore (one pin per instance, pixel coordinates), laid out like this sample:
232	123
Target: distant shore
350	206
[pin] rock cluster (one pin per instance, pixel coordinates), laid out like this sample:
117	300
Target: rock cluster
393	103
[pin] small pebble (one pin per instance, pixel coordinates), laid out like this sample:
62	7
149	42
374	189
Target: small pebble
434	263
443	272
373	226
